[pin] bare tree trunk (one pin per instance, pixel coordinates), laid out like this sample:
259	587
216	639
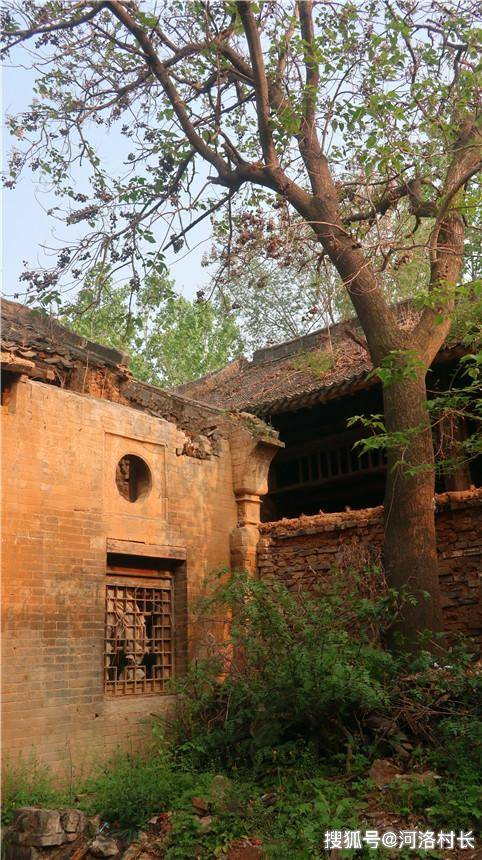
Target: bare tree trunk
410	554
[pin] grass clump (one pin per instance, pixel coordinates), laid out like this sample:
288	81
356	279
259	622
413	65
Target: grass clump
286	806
131	788
28	783
315	362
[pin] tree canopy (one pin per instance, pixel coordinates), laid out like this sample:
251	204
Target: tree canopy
363	117
369	107
169	339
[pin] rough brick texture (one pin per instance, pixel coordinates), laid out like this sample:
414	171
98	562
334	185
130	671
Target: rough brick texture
297	550
60	507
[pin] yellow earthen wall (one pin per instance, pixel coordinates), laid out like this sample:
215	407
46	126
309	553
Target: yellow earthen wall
60	506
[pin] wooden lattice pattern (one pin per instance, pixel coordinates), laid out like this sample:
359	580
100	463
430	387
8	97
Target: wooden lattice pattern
139	640
324	465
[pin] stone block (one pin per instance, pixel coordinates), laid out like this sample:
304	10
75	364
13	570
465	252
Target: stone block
73	822
104	846
40	828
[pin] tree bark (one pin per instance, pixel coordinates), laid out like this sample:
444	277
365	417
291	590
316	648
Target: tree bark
410	554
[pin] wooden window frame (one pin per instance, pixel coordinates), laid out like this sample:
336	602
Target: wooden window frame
145	631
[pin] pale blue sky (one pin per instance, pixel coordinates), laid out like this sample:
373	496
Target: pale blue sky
26	225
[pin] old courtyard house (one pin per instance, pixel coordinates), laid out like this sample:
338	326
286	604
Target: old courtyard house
120	500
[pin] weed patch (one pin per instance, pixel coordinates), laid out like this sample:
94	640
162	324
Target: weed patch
28	783
275	731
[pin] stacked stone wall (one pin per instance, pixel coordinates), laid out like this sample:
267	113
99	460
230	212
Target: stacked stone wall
300	550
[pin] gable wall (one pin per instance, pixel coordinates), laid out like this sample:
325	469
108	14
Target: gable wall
60	507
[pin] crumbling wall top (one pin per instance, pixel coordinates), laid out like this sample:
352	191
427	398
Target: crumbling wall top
341	520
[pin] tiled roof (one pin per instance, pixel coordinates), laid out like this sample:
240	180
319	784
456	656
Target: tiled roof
33	339
36	345
314	368
310	369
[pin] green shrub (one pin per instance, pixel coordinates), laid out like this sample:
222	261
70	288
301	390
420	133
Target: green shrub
447	803
129	789
314	362
459	747
439	704
28	783
296	666
304	804
457	754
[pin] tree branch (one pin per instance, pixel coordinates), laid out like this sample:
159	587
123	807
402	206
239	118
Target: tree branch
210	155
305	8
237	61
198	220
260	83
23	35
281	64
360	341
447	199
308	142
446	245
411	189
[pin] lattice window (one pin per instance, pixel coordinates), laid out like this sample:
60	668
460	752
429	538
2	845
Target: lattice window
139	636
323	465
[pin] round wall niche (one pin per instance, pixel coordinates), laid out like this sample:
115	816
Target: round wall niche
133	478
